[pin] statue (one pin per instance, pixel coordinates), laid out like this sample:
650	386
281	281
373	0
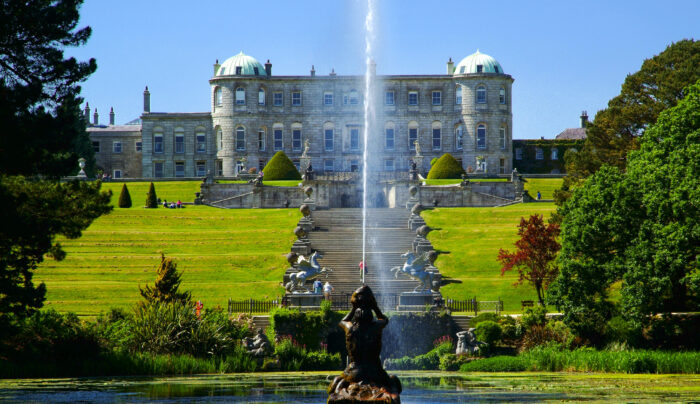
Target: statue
467	343
307	146
418	208
413	171
415	142
309	173
364	379
414	268
308	269
258	346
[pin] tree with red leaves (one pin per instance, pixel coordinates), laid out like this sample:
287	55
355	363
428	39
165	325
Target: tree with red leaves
537	248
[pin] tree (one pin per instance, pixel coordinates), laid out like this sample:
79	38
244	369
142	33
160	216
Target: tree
445	167
280	167
151	198
166	287
616	130
124	198
639	228
534	258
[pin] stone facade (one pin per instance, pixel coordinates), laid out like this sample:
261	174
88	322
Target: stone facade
117	149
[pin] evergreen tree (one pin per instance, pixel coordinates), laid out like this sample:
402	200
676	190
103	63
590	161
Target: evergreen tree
166	287
124	198
280	167
446	167
151	198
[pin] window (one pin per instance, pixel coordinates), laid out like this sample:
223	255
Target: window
201	139
354	166
218	97
296	138
539	154
354	97
413	98
117	174
459	137
502	96
179	141
239	70
481	136
437	97
354	138
502	166
502	137
256	71
261	97
158	169
219	139
117	146
139	146
328	165
277	134
201	168
261	140
96	147
479	68
412	135
327	98
261	164
458	95
157	143
240	96
389	138
328	140
461	70
240	138
518	154
296	98
219	168
179	168
389	165
437	138
555	154
277	99
389	98
481	95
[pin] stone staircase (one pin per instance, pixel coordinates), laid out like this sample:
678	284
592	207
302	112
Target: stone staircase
338	237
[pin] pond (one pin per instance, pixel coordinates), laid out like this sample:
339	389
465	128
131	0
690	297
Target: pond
309	387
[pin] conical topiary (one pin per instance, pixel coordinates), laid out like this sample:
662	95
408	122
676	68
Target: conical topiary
124	198
280	167
446	167
166	287
151	199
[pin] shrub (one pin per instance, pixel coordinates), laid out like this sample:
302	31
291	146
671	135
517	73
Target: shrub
321	361
488	332
445	167
124	198
497	364
452	362
555	333
428	361
166	287
280	167
536	316
484	317
433	161
151	198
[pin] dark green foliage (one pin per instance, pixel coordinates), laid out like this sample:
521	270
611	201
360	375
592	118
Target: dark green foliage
124	198
497	364
428	361
280	167
32	213
151	198
309	329
488	332
293	357
554	332
445	167
484	317
166	287
529	163
423	329
535	316
452	362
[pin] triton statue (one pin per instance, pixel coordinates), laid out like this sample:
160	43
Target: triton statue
308	269
414	268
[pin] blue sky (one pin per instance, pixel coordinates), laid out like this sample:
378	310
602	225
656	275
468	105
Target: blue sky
565	56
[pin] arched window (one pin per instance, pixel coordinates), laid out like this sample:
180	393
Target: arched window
158	140
481	136
218	97
502	95
219	138
240	138
481	94
502	137
261	96
200	137
296	137
459	137
389	137
458	95
179	140
277	141
437	136
412	135
240	96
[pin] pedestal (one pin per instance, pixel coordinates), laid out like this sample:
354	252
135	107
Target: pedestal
311	203
301	247
304	300
306	223
415	221
416	301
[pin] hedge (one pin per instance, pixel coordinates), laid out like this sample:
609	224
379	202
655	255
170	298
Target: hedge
445	168
280	167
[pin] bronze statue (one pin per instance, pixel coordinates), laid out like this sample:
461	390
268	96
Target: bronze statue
364	379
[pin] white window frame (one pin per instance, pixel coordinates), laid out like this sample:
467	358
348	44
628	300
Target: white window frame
481	136
296	98
438	131
179	142
502	96
481	94
180	164
158	141
199	164
278	99
411	139
389	138
458	95
240	96
296	139
261	96
539	153
200	144
389	98
240	138
117	173
354	138
117	146
261	140
218	97
138	146
415	95
328	98
436	97
503	137
219	138
277	136
328	141
555	154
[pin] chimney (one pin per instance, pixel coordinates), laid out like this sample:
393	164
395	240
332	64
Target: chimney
332	72
268	68
313	71
146	100
584	119
95	118
450	67
373	67
87	112
216	67
111	116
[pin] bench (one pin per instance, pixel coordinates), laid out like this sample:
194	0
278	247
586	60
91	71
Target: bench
527	303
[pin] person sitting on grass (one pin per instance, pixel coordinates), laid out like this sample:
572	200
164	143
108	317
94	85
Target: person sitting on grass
165	203
179	203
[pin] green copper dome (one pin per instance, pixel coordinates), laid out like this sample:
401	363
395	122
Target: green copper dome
241	65
478	63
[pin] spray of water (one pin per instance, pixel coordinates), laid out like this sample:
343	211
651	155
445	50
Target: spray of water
369	110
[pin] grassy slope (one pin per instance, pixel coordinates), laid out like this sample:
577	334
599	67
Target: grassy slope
546	186
474	236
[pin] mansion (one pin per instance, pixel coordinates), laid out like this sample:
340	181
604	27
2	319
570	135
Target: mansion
253	114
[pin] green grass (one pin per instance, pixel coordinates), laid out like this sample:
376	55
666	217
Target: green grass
168	190
277	183
474	236
546	186
457	181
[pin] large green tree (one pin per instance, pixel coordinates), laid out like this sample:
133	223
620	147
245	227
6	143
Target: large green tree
639	229
615	131
41	131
